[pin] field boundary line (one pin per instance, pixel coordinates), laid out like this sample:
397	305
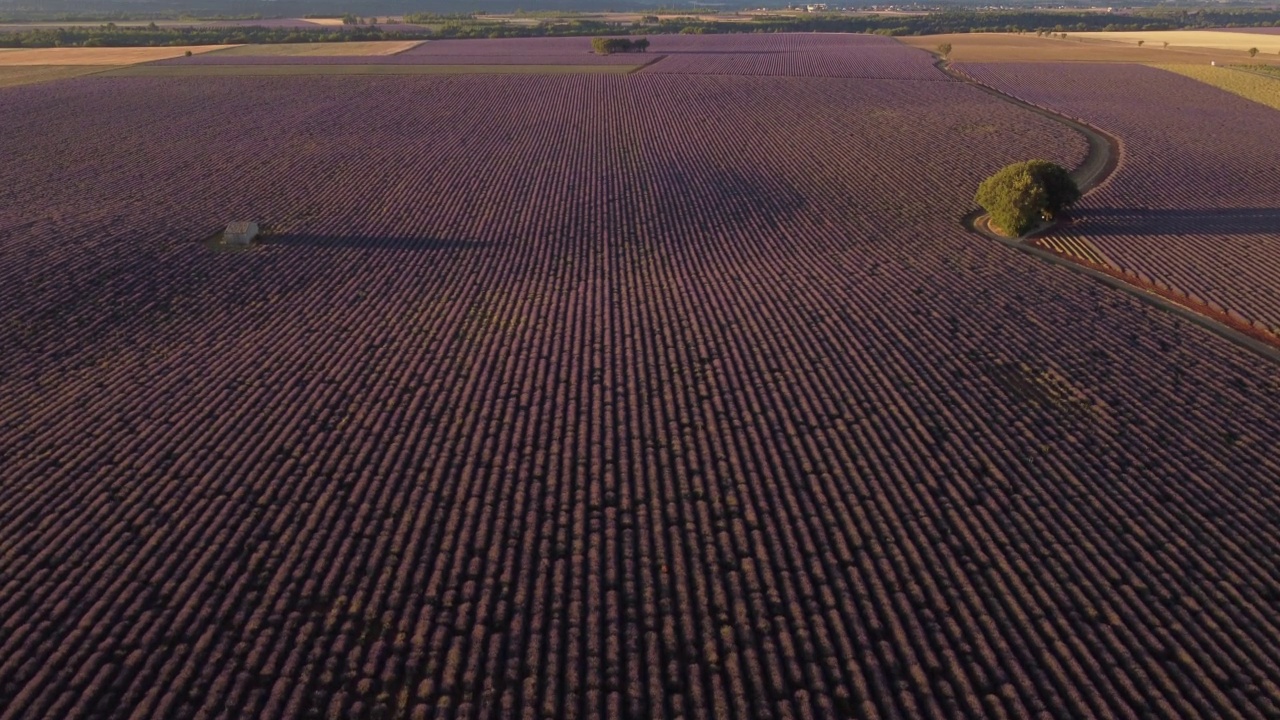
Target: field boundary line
402	51
650	63
1100	164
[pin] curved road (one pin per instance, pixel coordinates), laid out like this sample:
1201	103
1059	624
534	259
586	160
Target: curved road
1097	168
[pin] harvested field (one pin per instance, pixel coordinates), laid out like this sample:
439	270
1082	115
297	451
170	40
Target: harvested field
1249	85
328	49
1194	203
98	56
1005	47
1182	39
598	397
11	76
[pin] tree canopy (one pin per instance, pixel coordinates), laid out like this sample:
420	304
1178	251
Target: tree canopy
1022	194
608	46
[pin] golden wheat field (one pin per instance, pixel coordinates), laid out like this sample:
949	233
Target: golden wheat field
1181	39
1011	47
97	56
14	75
1252	86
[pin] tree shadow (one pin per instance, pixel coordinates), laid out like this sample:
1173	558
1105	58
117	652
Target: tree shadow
1147	221
722	197
374	242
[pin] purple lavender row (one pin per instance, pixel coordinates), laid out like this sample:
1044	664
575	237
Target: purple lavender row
598	397
504	46
811	55
405	59
899	63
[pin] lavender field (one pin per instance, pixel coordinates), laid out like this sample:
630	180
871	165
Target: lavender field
1195	203
660	395
782	54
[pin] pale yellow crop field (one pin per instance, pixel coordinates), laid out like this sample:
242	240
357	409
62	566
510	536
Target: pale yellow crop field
97	56
1266	44
13	75
1010	47
329	49
1260	89
329	22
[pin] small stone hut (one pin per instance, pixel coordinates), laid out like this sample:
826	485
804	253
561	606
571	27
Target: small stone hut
240	233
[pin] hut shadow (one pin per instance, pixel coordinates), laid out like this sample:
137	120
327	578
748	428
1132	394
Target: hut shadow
1130	221
375	242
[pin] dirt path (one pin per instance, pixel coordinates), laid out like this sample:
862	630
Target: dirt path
1100	163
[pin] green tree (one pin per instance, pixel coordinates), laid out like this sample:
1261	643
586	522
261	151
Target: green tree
1253	52
944	49
1061	191
1141	43
608	46
1022	194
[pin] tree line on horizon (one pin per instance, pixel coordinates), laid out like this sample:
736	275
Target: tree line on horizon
479	26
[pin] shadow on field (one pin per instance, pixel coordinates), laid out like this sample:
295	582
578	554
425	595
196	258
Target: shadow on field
375	242
728	52
1128	221
694	195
